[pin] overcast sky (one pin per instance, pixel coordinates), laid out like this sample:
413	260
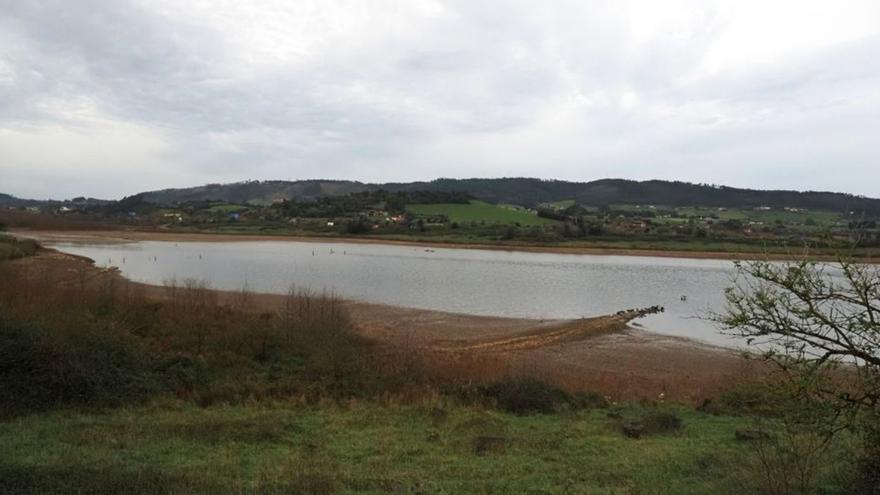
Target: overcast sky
108	98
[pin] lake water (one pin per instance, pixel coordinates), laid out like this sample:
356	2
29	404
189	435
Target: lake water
479	282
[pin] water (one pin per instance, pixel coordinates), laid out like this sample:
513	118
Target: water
479	282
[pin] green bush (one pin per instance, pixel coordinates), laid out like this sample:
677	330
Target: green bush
527	396
659	422
40	370
12	248
183	374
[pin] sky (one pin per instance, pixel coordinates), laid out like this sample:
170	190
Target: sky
107	98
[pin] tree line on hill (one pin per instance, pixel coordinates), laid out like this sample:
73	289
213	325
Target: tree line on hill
527	192
532	192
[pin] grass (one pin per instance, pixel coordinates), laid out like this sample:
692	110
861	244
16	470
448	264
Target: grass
360	447
746	214
480	211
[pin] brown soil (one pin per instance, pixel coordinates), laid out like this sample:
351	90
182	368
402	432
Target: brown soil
597	354
116	236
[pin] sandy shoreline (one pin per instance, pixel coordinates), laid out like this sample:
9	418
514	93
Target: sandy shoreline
120	236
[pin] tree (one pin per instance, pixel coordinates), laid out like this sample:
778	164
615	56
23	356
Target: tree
820	324
395	203
806	312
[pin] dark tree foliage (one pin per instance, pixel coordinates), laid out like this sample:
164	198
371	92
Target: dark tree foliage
135	203
358	225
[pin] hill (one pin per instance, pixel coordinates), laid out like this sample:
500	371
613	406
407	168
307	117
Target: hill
269	191
9	200
529	192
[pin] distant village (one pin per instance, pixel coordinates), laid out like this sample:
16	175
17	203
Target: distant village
431	213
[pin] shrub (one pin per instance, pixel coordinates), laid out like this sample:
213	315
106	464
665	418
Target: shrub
183	374
96	339
653	422
658	422
527	396
12	248
40	369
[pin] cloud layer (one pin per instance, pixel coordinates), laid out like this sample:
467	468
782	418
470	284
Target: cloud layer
107	98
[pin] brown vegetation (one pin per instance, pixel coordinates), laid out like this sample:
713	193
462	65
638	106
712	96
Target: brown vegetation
21	219
405	346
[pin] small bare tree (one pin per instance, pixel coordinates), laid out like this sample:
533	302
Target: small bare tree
820	324
810	317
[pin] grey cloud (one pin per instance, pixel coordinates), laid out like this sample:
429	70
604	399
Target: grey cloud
570	90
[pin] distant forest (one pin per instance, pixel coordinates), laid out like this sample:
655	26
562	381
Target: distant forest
519	191
530	193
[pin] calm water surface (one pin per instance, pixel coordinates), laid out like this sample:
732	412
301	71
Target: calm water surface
479	282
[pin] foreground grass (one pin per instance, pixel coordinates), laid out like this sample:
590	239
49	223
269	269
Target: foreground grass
363	447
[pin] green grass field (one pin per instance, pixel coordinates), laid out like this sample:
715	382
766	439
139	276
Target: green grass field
766	216
480	211
744	214
362	447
